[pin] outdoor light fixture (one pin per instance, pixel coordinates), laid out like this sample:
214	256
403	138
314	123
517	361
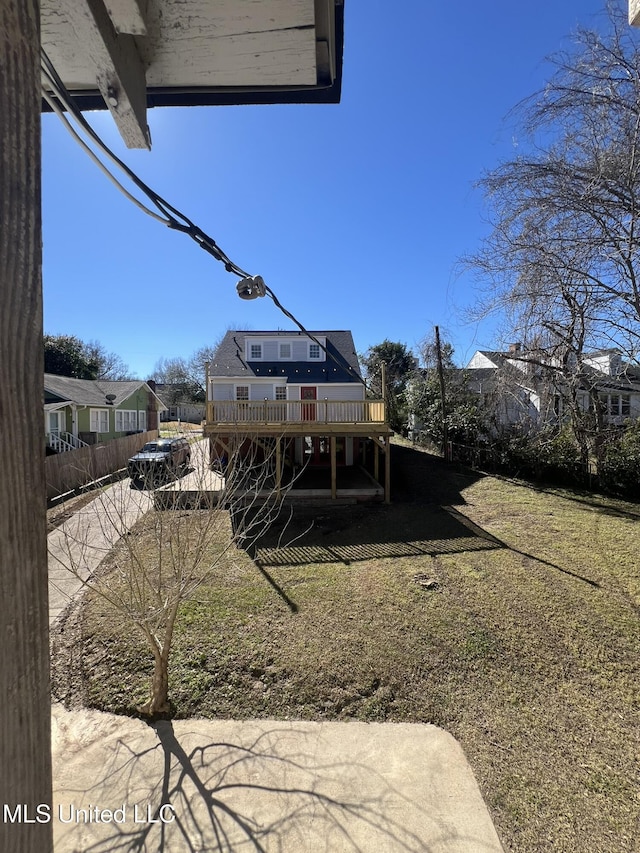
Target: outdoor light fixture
251	287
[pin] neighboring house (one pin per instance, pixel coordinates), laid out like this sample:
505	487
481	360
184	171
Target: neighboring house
302	395
88	411
185	412
519	388
179	403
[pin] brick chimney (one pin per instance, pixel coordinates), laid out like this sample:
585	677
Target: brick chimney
152	412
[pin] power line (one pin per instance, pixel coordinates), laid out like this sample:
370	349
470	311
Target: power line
58	96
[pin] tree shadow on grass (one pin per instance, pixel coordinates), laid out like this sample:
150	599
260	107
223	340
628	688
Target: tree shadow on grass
420	521
499	544
355	533
268	791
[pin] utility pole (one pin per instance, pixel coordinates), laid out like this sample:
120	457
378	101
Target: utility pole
25	721
445	435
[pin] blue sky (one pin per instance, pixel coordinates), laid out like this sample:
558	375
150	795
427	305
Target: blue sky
355	214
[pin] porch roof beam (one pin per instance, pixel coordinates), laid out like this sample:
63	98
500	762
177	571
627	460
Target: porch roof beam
120	74
128	16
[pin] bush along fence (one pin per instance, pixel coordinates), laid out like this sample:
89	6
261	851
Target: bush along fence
555	458
68	472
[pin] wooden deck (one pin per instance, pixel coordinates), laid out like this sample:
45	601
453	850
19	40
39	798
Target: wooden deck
297	417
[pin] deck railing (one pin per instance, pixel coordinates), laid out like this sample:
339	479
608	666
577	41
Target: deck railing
296	411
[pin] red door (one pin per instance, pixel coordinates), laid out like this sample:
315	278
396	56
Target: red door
308	409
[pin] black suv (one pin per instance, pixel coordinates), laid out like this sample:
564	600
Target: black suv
159	459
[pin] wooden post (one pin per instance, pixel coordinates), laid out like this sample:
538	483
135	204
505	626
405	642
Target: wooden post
387	470
445	435
278	466
383	382
376	461
334	482
25	721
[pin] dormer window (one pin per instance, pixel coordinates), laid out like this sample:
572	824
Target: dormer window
285	351
314	351
255	351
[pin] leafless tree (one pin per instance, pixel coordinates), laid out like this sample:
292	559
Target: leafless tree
188	375
190	531
561	261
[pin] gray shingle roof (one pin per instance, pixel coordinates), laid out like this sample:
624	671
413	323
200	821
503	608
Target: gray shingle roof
341	364
91	392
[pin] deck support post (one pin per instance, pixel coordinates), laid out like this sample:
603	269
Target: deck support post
376	462
387	470
334	486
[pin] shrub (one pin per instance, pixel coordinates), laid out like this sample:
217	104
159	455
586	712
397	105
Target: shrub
619	470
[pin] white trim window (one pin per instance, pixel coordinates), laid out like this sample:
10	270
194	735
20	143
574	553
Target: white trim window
617	405
315	353
142	419
255	351
126	420
99	420
242	392
284	351
281	392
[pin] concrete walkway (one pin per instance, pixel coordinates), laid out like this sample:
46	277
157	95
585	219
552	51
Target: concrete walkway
77	547
80	543
262	785
200	786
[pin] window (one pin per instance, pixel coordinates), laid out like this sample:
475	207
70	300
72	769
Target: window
242	392
255	351
126	420
285	350
142	420
617	405
281	392
99	420
314	350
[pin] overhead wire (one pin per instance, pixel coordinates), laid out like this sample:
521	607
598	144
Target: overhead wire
56	94
98	162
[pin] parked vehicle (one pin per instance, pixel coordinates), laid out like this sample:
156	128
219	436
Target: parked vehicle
160	459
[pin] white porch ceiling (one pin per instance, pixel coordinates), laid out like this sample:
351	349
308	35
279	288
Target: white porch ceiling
130	54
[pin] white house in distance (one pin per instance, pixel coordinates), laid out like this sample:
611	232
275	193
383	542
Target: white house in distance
301	394
519	389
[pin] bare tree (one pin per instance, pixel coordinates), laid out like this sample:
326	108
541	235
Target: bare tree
110	364
186	377
189	530
561	262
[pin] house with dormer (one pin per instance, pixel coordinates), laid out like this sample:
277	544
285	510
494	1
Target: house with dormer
300	396
528	389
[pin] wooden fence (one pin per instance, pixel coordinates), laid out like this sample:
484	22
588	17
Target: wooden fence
66	472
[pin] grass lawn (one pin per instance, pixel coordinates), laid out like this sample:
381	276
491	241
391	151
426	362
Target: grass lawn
510	618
